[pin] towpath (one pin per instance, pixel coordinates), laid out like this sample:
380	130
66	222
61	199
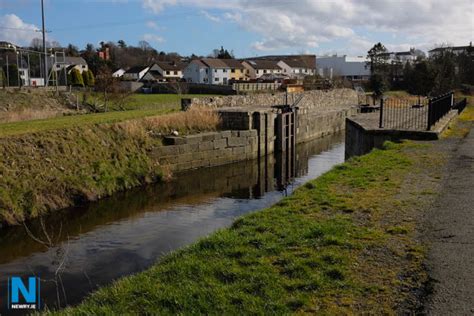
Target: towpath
451	236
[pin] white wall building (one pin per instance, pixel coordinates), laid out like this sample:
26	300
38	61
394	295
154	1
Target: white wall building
296	68
196	72
351	68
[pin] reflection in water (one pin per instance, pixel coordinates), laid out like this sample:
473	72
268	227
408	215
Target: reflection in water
128	232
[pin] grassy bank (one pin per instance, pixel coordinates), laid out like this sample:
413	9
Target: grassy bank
341	244
139	101
46	165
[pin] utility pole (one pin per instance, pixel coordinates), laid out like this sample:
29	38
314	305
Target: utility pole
43	30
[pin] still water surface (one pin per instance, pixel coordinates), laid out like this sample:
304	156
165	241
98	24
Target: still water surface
89	246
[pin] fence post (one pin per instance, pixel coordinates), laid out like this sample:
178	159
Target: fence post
429	115
381	114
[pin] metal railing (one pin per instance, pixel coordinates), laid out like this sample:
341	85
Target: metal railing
460	105
416	113
439	107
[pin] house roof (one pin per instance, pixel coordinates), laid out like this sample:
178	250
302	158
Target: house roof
233	63
136	69
75	61
440	49
263	64
300	61
171	65
214	63
199	63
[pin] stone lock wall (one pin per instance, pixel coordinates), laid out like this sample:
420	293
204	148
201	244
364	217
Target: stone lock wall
207	149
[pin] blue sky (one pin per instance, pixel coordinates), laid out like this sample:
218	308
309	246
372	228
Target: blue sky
248	27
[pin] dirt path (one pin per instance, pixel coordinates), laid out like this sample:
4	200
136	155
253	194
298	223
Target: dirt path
451	237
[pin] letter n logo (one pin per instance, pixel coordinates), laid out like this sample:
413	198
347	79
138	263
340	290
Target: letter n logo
21	293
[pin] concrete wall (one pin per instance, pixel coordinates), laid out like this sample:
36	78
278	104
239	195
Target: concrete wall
360	140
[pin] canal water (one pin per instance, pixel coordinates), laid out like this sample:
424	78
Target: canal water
76	250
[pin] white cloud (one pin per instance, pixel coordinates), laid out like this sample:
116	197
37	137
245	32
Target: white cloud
153	38
157	6
210	17
14	30
304	24
152	25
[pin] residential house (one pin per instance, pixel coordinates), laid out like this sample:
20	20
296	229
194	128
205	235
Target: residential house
135	73
219	72
457	50
350	68
294	66
118	73
256	68
196	72
400	57
57	64
237	70
214	71
171	70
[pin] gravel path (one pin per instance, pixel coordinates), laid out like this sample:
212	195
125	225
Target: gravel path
451	237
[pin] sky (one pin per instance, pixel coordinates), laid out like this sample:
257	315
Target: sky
246	27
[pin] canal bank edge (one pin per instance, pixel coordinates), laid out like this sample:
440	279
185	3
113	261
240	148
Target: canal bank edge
51	170
343	243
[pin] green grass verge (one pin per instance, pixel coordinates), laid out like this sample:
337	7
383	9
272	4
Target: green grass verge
341	244
33	126
150	101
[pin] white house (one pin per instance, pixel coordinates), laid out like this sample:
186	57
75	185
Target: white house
69	63
351	68
135	73
298	66
256	68
196	72
118	73
219	72
214	71
457	50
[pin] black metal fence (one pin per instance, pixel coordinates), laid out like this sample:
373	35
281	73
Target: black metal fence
416	113
439	107
460	105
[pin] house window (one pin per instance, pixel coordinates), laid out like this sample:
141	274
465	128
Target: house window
224	70
233	70
215	70
216	79
167	72
83	67
175	72
264	71
207	71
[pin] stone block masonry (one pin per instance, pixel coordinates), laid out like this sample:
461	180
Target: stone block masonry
207	149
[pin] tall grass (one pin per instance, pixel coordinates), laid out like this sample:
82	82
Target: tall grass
193	121
27	115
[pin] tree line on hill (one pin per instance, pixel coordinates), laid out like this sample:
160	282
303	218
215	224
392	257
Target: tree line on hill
440	73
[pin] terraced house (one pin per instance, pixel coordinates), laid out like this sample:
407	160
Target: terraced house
214	71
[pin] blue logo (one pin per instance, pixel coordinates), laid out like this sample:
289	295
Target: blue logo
23	295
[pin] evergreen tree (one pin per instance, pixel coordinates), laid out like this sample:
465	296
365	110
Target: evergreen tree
12	75
379	69
88	77
76	78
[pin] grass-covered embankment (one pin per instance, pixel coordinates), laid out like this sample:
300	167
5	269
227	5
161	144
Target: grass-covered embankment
45	167
341	244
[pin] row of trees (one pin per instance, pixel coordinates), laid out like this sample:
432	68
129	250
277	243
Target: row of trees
437	74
